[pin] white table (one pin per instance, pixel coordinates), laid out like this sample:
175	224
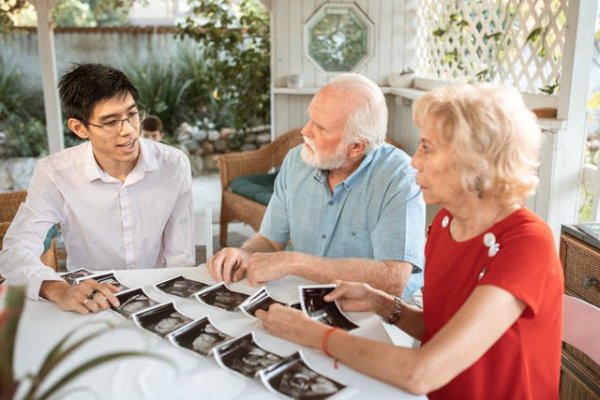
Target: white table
190	376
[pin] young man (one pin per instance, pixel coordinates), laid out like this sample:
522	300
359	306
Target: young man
123	202
347	201
152	128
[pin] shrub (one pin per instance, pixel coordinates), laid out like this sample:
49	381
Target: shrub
161	92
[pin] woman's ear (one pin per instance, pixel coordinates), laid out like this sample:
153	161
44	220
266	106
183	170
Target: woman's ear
78	128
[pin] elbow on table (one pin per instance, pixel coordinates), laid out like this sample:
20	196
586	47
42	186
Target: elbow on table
418	380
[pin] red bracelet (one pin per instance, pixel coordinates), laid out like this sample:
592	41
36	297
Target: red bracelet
324	344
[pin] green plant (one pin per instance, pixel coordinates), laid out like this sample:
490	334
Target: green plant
17	97
9	319
25	138
162	91
236	45
497	45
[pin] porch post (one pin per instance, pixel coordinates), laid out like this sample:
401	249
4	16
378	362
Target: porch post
45	36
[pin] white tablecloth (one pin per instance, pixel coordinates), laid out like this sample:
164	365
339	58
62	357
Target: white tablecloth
190	376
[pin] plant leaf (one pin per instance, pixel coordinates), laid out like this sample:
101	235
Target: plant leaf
535	34
94	362
438	32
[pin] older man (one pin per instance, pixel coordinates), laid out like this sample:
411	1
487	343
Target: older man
345	199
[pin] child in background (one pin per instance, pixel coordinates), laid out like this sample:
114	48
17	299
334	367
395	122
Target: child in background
152	128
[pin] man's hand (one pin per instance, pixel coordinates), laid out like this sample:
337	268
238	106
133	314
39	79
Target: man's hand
267	267
228	265
88	296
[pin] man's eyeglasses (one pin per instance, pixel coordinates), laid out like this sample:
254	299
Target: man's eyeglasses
116	125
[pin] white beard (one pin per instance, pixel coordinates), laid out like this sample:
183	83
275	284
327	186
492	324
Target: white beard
324	161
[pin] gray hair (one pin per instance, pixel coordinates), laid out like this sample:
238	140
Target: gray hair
368	116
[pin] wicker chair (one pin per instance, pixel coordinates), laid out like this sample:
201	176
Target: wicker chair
9	204
238	208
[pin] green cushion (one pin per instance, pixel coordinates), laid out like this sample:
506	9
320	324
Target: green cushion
255	187
52	233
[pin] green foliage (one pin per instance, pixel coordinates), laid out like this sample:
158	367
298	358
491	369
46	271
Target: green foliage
8	9
236	46
9	320
25	138
17	98
161	91
81	13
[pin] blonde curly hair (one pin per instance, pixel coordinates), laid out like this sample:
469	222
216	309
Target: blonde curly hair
495	137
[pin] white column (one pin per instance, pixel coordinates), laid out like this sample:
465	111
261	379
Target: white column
45	37
568	152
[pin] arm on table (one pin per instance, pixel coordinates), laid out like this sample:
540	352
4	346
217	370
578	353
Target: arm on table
478	324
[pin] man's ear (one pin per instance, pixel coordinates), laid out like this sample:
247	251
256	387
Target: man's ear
78	128
358	149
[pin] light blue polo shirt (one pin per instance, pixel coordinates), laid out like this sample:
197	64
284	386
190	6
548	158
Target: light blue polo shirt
376	213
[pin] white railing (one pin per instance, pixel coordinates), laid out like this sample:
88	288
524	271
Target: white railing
591	178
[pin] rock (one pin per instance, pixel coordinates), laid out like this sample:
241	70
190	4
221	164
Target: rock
210	163
248	147
249	138
200	151
191	145
213	135
220	145
208	147
196	164
263	138
20	171
226	132
199	134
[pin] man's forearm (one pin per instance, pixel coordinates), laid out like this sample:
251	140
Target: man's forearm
260	244
389	276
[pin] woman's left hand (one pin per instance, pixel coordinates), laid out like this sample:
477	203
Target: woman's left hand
291	324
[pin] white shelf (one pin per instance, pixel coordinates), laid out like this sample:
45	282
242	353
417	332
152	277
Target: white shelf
311	90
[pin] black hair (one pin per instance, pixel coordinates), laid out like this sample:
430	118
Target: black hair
87	84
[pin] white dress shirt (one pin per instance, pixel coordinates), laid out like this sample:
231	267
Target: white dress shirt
146	221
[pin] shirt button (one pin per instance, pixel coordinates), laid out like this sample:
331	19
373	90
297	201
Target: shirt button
323	236
330	202
353	233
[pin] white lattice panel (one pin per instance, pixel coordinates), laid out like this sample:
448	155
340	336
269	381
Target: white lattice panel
519	42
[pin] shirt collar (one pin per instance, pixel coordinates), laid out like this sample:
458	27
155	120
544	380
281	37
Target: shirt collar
146	162
321	174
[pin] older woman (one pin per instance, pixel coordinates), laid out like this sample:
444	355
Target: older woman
491	323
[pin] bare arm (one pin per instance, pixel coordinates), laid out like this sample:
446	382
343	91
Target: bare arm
479	323
390	275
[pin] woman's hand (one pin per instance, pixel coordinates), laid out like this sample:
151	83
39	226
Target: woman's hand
354	296
292	325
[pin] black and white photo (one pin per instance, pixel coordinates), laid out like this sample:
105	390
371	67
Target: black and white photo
72	276
180	286
329	313
221	296
162	319
293	378
201	336
133	301
105	277
261	300
245	356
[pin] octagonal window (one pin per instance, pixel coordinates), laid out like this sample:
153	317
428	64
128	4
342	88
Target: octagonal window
338	37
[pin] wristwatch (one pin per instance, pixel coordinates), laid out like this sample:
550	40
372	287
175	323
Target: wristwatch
396	313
